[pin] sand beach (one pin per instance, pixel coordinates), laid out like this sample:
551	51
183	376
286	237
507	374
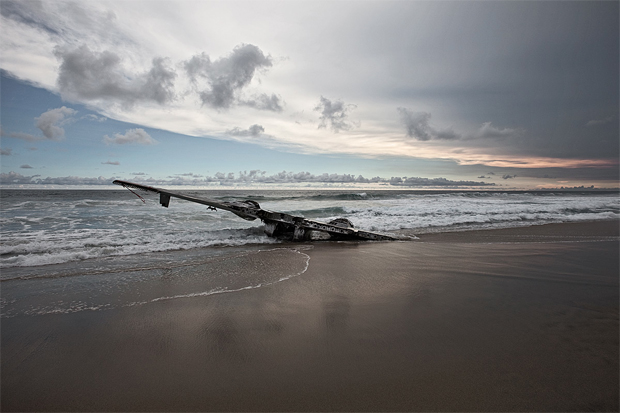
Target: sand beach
506	320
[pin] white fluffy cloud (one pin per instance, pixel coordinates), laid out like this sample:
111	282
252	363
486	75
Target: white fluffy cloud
137	136
51	122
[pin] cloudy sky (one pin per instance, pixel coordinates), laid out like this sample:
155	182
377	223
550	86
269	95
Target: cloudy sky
515	94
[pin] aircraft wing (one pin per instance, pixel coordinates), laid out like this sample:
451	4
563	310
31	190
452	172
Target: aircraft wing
275	222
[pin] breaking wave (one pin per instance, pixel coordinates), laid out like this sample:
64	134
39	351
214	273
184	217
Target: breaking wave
52	227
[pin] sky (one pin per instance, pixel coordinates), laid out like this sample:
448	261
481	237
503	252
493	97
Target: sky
467	94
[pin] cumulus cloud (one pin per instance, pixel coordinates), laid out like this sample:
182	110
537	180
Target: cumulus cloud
137	135
417	125
414	181
14	178
26	167
116	163
89	75
263	101
597	122
191	174
51	122
219	83
334	114
254	130
243	177
6	152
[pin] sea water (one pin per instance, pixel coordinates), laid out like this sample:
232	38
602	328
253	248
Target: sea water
41	227
66	251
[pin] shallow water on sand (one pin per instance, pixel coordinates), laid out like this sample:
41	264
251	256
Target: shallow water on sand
66	289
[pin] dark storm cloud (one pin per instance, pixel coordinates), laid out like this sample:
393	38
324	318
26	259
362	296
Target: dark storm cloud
540	71
220	82
509	176
334	114
254	130
418	127
89	75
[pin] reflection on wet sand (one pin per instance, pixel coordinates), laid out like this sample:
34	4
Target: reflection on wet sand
387	326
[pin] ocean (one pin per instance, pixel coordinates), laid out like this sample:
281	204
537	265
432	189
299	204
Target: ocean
64	251
42	227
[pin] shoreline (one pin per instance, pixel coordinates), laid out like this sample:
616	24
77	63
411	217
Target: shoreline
564	231
437	324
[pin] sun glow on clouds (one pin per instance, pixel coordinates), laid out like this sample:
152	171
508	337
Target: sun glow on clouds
397	80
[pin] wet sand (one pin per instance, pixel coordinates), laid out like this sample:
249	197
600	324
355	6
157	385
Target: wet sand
465	322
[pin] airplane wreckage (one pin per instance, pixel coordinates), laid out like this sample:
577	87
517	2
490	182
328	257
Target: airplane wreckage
276	223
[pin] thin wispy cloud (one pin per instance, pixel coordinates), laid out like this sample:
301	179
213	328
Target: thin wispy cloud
96	118
597	122
488	131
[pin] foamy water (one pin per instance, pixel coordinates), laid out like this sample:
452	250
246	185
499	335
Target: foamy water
135	284
41	227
